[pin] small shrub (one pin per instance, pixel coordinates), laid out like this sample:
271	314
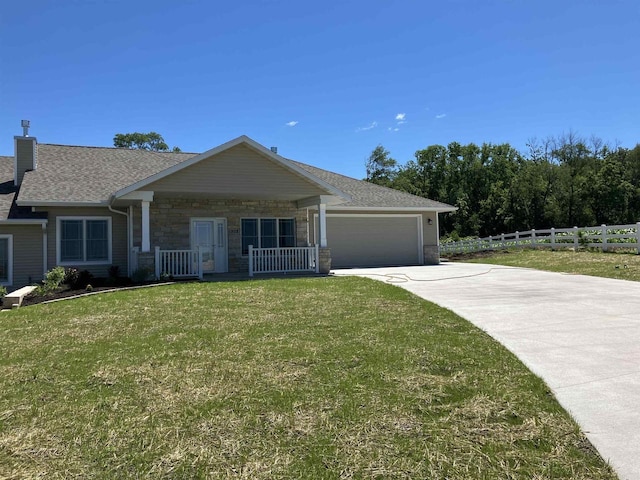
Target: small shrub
140	275
166	277
52	281
84	278
114	272
54	277
3	292
89	288
71	276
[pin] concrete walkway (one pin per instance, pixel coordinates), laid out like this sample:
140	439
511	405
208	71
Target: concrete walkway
580	334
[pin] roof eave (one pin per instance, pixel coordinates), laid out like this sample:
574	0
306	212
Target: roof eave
57	203
24	221
398	209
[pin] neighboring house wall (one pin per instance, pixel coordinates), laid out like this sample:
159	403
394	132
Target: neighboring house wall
235	172
27	254
118	237
170	222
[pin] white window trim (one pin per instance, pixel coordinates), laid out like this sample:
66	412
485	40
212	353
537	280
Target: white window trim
84	238
277	219
9	260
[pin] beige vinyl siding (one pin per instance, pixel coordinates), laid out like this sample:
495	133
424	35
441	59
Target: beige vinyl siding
118	237
27	254
238	173
370	240
25	152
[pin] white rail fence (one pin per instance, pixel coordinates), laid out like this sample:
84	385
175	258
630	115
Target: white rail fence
178	263
604	237
286	259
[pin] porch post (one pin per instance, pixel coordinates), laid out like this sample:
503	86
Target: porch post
322	224
146	242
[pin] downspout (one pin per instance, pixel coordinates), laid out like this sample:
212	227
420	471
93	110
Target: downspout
128	238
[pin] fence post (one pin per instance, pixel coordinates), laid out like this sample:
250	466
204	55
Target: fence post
517	239
604	237
575	238
533	238
638	237
317	258
502	241
199	255
251	260
553	238
490	242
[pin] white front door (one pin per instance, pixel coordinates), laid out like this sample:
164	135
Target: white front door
210	235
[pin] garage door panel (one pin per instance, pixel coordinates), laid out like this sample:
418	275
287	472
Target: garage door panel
373	241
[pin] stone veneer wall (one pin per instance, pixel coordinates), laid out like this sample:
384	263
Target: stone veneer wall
431	254
170	222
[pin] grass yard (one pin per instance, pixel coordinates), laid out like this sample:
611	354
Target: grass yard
623	266
297	378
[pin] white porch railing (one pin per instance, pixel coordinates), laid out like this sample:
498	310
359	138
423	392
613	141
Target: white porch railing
286	259
178	263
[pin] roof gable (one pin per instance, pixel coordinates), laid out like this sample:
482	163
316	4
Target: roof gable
225	181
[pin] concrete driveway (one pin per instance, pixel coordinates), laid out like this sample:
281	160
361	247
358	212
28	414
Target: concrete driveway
580	334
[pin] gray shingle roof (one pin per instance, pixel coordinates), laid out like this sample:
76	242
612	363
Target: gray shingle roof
92	174
368	195
7	189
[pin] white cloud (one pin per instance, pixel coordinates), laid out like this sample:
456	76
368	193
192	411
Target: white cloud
292	123
393	129
369	127
442	115
401	116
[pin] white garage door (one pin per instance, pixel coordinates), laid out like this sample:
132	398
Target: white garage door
367	241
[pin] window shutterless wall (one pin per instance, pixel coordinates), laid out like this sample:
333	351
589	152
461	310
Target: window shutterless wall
118	237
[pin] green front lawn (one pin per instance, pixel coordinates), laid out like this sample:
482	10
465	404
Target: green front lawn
623	266
295	378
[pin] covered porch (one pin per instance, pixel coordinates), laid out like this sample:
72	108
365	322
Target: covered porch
197	237
237	208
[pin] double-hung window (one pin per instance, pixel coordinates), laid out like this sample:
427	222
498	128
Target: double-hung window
268	233
84	240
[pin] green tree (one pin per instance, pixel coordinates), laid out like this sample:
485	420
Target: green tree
142	141
381	168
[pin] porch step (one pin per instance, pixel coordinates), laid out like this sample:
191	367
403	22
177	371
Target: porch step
14	299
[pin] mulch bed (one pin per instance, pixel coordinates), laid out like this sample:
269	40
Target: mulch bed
65	292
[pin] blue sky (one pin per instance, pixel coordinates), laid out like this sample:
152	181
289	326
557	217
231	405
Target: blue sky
324	81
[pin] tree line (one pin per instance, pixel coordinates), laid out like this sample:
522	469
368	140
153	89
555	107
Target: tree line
561	181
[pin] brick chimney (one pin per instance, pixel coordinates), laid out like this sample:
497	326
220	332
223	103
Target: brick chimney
24	158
